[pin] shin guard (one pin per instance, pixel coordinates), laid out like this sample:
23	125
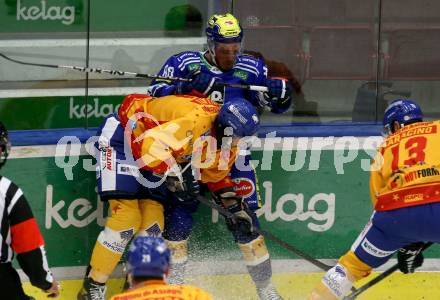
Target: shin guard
335	284
338	281
179	260
122	224
257	261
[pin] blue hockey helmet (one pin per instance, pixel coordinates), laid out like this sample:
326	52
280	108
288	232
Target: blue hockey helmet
148	257
224	29
5	146
239	114
402	111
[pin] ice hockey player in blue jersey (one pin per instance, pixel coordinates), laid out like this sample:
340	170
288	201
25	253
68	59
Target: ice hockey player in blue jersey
224	62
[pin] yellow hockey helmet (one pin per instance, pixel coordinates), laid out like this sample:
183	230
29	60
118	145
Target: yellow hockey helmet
224	29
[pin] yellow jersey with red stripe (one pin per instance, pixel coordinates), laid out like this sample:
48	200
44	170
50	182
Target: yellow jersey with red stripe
175	128
406	170
159	290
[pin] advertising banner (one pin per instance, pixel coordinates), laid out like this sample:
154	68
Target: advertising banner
35	16
56	112
309	199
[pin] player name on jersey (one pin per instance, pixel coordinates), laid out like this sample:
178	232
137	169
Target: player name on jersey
412	130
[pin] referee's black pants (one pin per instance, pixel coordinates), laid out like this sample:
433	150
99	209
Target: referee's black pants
10	283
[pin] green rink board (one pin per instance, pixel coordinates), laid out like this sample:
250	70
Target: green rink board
35	16
319	211
56	112
291	286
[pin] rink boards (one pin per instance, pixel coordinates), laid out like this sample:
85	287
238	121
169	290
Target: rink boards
310	207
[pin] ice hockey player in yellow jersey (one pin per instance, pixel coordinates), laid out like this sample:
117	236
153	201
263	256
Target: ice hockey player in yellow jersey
405	191
151	157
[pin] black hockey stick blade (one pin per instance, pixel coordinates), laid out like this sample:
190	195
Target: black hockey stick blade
28	63
374	281
268	236
94	70
378	278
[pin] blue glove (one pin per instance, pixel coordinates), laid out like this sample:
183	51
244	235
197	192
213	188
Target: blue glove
202	84
279	95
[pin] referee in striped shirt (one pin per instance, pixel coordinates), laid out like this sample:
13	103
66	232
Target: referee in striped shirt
19	233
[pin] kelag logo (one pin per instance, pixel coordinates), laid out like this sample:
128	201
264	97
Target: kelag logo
95	109
319	221
66	14
80	212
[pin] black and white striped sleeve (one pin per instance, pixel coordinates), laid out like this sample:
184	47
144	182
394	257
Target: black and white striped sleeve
26	238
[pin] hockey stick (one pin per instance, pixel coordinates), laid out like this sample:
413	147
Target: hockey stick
267	235
130	74
379	278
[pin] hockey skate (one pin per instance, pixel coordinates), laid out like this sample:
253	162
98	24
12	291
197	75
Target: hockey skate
268	293
91	290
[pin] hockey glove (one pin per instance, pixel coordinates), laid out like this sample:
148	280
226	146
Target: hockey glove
279	95
409	258
202	85
242	221
183	184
